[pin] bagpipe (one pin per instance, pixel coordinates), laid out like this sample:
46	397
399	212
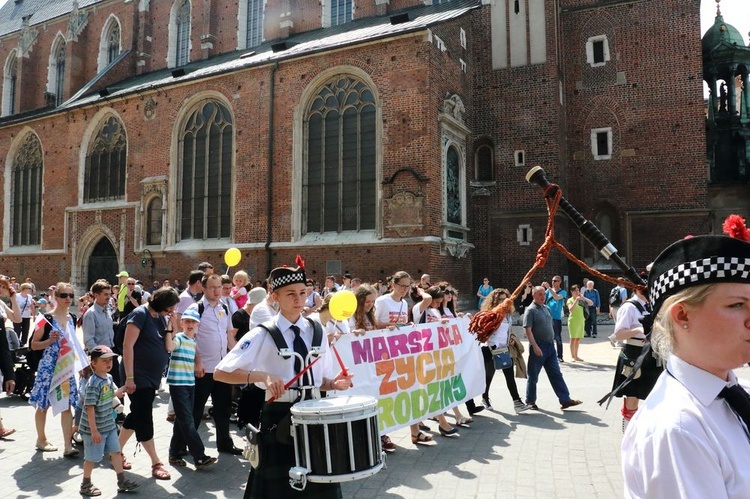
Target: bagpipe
484	323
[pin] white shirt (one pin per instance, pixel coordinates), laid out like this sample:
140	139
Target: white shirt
211	338
684	442
500	337
390	311
24	305
628	317
332	326
256	351
261	313
430	314
230	303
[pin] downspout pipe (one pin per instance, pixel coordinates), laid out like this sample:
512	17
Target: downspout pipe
269	178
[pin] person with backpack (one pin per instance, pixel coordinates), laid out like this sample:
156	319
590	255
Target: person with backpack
255	359
214	339
617	296
629	330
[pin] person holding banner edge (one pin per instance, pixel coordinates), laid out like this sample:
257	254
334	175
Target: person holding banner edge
255	359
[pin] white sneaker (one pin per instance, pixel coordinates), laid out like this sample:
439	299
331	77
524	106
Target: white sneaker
486	403
521	407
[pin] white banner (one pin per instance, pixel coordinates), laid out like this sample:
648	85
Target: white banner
415	372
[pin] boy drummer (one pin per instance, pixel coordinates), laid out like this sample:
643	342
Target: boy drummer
255	359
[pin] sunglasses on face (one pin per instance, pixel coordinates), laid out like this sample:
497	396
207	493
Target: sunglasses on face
66	295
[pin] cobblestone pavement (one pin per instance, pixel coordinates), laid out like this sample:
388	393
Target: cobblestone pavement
544	454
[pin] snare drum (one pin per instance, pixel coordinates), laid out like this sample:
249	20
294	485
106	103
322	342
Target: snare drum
336	439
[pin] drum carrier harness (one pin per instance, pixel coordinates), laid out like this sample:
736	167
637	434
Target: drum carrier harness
287	353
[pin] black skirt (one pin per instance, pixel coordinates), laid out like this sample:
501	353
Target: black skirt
271	479
643	383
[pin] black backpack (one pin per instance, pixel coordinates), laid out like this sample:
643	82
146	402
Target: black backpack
615	298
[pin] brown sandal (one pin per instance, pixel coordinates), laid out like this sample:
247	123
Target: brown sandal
421	438
159	472
89	490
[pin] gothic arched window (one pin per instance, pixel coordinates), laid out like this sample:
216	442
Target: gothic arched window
205	172
26	193
182	47
154	222
104	176
338	180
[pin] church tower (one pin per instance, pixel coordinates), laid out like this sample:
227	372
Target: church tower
726	70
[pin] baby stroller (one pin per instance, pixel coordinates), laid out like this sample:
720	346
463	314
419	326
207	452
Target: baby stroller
25	375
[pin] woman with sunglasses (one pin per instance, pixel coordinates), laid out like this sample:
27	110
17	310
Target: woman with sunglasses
47	338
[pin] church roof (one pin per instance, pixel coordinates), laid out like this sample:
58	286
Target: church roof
721	33
302	44
13	12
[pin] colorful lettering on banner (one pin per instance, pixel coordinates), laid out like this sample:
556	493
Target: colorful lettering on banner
417	372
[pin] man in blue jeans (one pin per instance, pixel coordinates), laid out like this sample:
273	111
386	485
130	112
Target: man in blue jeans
537	321
555	297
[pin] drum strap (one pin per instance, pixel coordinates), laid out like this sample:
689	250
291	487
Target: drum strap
275	333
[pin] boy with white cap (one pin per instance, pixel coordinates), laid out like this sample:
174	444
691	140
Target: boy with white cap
181	381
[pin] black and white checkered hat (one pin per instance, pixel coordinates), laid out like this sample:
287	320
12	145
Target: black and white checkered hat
284	276
695	261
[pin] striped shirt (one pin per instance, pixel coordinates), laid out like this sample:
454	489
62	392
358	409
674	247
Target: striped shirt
182	362
100	392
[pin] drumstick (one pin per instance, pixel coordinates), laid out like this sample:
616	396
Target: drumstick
344	370
307	368
295	378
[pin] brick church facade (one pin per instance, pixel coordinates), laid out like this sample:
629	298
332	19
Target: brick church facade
369	136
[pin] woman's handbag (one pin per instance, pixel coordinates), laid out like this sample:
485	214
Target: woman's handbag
501	357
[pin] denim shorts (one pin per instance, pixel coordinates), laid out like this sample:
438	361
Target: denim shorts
95	452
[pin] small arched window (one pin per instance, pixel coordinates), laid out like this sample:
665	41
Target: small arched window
484	164
154	222
453	187
254	25
26	192
182	47
104	176
56	82
10	75
205	173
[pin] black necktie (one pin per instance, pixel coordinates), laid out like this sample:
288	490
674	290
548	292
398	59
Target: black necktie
301	349
739	400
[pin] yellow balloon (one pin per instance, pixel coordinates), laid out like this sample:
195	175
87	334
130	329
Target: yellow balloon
232	257
342	305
